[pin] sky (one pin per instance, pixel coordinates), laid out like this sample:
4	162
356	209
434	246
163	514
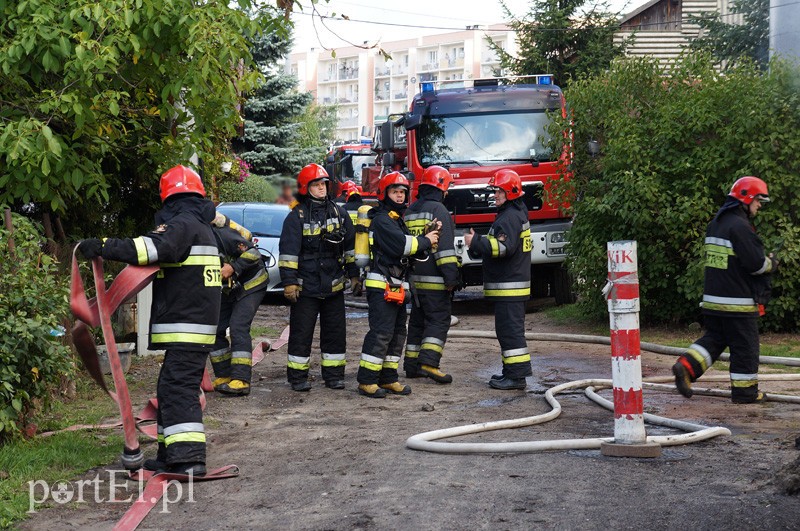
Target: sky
442	15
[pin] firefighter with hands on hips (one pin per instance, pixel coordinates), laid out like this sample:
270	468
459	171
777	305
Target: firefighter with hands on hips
432	280
316	258
386	287
244	282
506	254
184	313
736	288
351	193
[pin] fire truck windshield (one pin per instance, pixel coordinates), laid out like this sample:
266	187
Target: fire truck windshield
483	138
352	165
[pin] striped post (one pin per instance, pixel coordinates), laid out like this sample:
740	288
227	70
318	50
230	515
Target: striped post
622	291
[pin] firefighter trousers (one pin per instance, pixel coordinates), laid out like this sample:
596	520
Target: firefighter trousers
181	435
741	335
234	359
427	329
383	344
509	324
332	337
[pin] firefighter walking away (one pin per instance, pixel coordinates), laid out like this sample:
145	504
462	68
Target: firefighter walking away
736	290
506	252
184	314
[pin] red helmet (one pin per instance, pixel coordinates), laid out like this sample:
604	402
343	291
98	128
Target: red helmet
349	188
309	174
180	180
392	179
437	177
509	182
748	188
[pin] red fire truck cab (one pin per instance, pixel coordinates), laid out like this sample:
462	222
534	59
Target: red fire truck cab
347	162
473	131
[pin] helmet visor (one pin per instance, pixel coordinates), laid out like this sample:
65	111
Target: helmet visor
763	198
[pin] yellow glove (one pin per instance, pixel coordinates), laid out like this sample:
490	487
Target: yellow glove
291	292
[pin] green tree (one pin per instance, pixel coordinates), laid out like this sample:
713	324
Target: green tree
566	38
96	98
273	117
673	140
731	43
318	128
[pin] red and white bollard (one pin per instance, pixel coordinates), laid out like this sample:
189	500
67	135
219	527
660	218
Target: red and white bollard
622	291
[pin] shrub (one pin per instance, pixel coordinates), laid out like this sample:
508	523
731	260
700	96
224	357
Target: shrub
672	143
33	303
253	188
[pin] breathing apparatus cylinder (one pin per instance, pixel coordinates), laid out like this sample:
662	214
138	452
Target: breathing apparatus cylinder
362	236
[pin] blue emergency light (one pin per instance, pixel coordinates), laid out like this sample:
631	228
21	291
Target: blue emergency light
427	87
545	80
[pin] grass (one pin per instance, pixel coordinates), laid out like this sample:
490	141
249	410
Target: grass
62	456
264	331
570	315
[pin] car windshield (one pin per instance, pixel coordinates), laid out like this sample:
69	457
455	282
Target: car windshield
483	139
260	221
354	164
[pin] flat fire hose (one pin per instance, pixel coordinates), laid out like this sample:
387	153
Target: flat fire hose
97	311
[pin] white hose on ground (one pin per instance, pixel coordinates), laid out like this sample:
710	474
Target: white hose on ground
602	340
428	441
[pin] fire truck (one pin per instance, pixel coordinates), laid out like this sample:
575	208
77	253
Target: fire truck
347	162
474	130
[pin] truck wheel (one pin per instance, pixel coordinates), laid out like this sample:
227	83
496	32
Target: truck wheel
562	287
540	284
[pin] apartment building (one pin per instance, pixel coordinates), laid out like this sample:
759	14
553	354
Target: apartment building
366	87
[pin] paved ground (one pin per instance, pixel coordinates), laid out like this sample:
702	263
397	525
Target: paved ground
336	460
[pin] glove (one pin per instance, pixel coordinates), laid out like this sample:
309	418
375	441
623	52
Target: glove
775	263
356	286
91	247
291	292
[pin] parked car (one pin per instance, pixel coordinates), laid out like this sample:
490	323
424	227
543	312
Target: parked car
265	221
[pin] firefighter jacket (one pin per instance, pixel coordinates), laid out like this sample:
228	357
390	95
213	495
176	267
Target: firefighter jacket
249	272
440	270
737	271
392	245
506	254
316	248
186	291
352	205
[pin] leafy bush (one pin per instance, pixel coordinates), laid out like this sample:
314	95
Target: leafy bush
33	302
672	143
253	188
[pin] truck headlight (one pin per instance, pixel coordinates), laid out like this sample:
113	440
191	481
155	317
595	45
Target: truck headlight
558	237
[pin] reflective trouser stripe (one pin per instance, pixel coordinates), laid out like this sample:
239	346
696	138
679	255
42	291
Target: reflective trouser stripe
298	362
412	351
743	380
220	355
517	355
333	360
201	339
391	362
432	343
700	355
242	358
372	363
184	432
506	292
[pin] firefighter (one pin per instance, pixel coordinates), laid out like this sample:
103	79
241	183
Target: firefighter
386	289
736	288
316	257
432	280
351	193
244	282
184	314
506	251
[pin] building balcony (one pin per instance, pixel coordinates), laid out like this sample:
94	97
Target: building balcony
427	67
400	95
382	71
381	96
347	101
348	73
351	121
399	70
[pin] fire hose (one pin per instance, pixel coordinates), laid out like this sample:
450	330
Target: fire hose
429	441
97	312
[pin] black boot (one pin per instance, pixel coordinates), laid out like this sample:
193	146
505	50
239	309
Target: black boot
334	384
194	469
506	384
682	380
301	387
154	465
